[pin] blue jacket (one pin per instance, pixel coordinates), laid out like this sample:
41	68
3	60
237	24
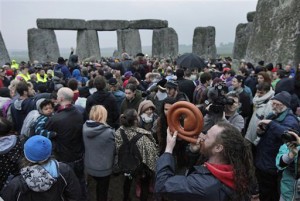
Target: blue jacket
288	183
270	141
64	69
197	186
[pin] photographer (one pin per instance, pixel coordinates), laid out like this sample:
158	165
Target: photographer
287	161
231	112
271	130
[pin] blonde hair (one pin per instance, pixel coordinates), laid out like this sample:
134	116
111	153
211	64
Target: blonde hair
98	113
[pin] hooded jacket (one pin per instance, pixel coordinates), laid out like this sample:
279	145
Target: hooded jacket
288	184
19	110
10	155
208	182
108	100
99	143
36	183
64	69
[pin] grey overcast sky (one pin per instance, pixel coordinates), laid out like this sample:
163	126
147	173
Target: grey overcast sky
17	16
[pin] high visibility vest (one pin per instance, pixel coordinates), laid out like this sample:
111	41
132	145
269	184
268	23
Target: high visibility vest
14	65
40	79
25	77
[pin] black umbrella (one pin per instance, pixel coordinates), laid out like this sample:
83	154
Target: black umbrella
190	60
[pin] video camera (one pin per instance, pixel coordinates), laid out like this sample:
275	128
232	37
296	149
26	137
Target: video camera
218	99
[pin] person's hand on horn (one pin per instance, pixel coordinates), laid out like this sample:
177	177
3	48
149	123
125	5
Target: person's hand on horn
171	141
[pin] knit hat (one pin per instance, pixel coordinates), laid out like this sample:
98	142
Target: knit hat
128	74
37	149
284	97
144	105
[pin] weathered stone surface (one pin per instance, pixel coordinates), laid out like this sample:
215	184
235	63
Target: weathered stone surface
107	25
276	32
204	42
88	45
42	45
61	24
4	57
250	16
129	41
242	36
148	24
164	43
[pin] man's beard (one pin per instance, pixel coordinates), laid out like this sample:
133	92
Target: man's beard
206	151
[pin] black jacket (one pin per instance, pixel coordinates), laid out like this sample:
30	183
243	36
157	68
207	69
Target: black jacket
109	101
186	86
199	185
66	187
68	144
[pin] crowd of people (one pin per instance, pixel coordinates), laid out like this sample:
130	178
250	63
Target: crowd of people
64	121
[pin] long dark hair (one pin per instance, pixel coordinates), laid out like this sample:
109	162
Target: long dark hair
163	124
237	152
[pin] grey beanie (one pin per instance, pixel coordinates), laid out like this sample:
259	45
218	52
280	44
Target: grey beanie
284	97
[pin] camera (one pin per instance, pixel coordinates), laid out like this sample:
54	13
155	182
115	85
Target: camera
262	129
217	97
287	137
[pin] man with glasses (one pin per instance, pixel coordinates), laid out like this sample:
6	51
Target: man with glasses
279	120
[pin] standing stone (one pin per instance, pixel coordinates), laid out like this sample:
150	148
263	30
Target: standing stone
129	41
61	24
107	25
204	42
164	43
148	24
242	36
88	45
250	16
42	45
275	37
4	57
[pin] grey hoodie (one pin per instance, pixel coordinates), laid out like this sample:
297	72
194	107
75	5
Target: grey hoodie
7	143
99	143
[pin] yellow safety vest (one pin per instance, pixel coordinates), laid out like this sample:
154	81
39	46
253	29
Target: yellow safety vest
25	77
40	79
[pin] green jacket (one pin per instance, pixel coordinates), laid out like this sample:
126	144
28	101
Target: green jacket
132	104
289	183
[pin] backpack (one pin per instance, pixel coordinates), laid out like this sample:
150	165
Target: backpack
129	156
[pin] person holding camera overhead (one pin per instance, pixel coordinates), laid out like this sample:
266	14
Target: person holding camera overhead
271	130
287	161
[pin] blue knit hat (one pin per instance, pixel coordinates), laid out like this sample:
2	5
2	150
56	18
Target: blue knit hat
37	149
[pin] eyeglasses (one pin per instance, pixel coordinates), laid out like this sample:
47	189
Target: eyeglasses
277	104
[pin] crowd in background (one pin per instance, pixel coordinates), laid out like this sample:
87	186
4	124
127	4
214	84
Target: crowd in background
82	108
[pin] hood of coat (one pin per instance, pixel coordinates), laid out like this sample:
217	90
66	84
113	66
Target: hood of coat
18	104
40	178
94	128
7	143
